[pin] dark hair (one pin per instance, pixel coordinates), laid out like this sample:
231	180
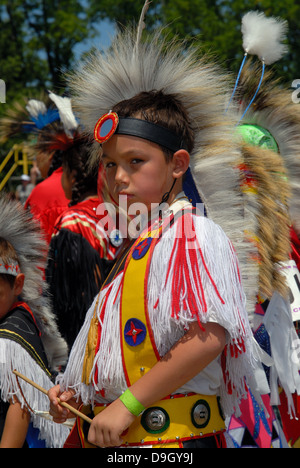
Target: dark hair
56	162
8	254
162	109
77	157
51	140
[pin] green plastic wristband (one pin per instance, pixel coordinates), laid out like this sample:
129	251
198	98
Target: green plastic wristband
131	403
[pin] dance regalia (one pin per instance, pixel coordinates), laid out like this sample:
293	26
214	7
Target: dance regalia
181	269
269	123
21	348
81	252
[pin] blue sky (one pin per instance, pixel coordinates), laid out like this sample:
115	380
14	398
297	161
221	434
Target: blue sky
101	41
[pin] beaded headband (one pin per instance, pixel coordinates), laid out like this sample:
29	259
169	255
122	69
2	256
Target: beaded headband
9	268
110	124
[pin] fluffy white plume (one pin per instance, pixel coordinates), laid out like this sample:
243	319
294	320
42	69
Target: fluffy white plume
263	36
66	114
36	108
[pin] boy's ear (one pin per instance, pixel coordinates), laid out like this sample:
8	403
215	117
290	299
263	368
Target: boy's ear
19	284
181	161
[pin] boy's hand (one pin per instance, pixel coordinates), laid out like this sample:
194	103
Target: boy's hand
108	426
58	412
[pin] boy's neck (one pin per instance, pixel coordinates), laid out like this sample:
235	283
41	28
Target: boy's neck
175	193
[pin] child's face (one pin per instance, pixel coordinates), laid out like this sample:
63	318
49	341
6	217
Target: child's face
137	169
8	294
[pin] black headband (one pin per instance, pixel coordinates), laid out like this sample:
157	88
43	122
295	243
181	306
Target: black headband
111	123
152	132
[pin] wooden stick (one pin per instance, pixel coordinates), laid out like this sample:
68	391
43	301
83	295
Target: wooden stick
62	403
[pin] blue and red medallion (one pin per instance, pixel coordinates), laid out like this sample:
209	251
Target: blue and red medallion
142	248
134	332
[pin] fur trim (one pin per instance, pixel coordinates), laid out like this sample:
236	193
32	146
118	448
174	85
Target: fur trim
266	193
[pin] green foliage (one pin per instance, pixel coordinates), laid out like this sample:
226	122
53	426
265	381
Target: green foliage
38	37
213	24
37	41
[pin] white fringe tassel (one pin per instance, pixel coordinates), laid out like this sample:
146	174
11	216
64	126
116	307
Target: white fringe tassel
14	357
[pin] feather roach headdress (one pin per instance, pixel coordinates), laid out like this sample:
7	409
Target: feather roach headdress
133	65
268	123
27	117
44	124
18	228
274	112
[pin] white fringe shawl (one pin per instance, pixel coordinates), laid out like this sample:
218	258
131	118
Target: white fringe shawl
14	356
222	299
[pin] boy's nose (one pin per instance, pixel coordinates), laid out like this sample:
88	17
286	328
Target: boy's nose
121	176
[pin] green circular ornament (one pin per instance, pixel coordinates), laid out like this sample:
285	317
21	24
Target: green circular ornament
258	136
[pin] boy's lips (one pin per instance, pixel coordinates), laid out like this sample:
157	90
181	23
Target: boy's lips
125	194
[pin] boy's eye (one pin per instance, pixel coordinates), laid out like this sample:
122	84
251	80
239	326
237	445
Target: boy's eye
136	161
109	165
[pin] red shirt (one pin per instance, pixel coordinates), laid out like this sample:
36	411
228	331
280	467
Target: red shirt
47	201
82	219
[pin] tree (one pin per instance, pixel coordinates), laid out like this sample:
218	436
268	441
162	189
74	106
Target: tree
213	24
37	42
38	37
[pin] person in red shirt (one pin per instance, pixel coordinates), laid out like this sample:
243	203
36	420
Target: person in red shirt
39	120
47	200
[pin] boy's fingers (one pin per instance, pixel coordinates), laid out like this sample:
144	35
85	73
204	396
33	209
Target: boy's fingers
66	396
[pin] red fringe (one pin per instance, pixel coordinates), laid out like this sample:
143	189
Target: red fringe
182	273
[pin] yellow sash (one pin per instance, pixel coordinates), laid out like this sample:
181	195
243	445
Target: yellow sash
137	358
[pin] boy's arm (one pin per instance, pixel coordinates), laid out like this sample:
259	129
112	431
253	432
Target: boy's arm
16	426
191	354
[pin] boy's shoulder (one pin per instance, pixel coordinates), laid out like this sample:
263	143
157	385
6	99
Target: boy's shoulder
20	326
20	318
192	222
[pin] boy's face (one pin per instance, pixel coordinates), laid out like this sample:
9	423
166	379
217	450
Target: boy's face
8	294
137	169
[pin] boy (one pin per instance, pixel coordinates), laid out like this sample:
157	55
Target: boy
24	344
168	334
17	419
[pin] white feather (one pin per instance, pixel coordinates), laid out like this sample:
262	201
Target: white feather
66	114
263	36
36	108
141	25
